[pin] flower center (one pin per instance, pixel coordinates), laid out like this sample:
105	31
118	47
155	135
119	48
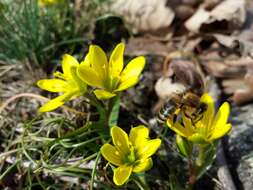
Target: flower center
130	158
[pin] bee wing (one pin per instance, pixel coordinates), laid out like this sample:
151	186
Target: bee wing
186	72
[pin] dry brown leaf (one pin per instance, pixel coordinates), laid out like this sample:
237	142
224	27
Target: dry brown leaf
230	86
221	69
194	23
244	47
233	12
242	96
148	15
146	46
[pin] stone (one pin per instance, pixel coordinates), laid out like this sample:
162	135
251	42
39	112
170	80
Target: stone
240	145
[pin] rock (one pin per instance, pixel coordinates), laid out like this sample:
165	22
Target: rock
240	145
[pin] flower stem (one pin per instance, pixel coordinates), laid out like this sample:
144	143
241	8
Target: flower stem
140	180
201	156
193	167
192	176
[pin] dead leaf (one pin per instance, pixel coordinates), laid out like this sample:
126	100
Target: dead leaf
184	12
229	14
242	96
194	23
222	70
230	86
148	15
146	46
244	47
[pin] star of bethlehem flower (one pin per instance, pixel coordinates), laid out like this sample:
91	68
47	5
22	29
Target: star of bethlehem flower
130	154
67	82
209	128
109	78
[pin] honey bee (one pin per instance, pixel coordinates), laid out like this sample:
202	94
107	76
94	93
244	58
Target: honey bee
186	101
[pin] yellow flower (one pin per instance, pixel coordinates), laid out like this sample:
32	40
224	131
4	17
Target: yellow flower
209	128
131	154
109	77
47	2
67	82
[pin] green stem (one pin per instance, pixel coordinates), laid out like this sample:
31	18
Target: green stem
193	167
140	180
201	156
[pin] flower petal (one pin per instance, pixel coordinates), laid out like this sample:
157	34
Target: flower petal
127	83
56	102
143	165
133	68
120	140
188	124
52	85
149	148
179	129
139	136
78	82
222	115
89	76
98	60
111	154
102	94
68	61
122	174
208	115
116	62
220	131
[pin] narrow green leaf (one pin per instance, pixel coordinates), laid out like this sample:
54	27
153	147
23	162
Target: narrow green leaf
114	114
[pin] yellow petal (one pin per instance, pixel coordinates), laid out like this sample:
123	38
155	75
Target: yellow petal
78	82
116	62
68	61
98	60
208	115
188	124
220	131
143	165
56	102
52	85
133	68
179	129
102	94
149	148
138	136
222	115
127	83
111	154
120	140
89	76
121	174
